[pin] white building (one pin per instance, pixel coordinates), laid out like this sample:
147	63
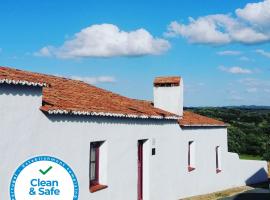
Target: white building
149	151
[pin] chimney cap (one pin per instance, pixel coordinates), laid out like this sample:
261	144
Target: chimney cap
167	81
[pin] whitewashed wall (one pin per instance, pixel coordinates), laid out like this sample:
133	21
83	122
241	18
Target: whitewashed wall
27	132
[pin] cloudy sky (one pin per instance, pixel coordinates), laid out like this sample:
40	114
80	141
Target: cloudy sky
221	48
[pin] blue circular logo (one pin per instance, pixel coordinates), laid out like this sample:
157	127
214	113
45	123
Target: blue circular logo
44	177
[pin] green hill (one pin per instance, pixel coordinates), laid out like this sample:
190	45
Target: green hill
249	130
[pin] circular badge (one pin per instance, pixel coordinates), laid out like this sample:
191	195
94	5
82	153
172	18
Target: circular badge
44	177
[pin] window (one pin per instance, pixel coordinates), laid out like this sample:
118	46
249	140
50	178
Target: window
191	156
94	169
94	163
153	151
218	163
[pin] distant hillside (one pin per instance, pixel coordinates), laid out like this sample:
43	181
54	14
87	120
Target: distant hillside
252	107
249	130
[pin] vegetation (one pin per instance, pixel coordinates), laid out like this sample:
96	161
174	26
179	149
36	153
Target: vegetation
248	131
250	157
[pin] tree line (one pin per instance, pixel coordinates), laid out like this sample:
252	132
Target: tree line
248	130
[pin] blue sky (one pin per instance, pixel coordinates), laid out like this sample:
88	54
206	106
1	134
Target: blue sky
222	53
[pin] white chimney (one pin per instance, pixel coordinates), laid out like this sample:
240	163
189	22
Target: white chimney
168	94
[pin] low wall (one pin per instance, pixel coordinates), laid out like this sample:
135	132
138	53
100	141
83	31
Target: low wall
246	172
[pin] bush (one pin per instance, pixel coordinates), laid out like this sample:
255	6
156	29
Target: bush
266	156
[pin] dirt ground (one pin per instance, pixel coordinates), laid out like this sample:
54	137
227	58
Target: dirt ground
227	193
224	193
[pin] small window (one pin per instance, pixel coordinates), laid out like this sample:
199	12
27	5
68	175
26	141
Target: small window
218	161
94	163
191	156
153	151
94	168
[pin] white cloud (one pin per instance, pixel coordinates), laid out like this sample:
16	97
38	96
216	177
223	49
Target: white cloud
256	13
236	98
255	85
43	52
247	35
263	53
244	58
252	82
235	70
95	80
251	90
203	30
229	53
233	95
107	40
247	26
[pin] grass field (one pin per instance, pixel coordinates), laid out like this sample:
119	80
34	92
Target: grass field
250	157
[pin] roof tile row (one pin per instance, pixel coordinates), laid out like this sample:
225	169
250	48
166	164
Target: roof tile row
63	96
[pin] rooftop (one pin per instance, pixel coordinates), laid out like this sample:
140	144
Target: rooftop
167	80
192	119
66	96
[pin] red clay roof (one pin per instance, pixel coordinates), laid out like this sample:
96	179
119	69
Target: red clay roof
61	95
167	80
192	119
65	95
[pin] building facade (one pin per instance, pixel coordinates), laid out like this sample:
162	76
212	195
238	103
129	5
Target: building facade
119	148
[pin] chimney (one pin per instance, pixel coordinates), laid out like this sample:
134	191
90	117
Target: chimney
168	94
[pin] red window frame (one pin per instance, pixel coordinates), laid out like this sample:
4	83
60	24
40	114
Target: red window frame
94	146
140	169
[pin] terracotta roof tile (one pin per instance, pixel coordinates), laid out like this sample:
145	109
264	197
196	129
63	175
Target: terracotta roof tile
65	96
167	80
192	119
70	96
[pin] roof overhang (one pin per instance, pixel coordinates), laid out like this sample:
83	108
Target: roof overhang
106	114
204	125
23	82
